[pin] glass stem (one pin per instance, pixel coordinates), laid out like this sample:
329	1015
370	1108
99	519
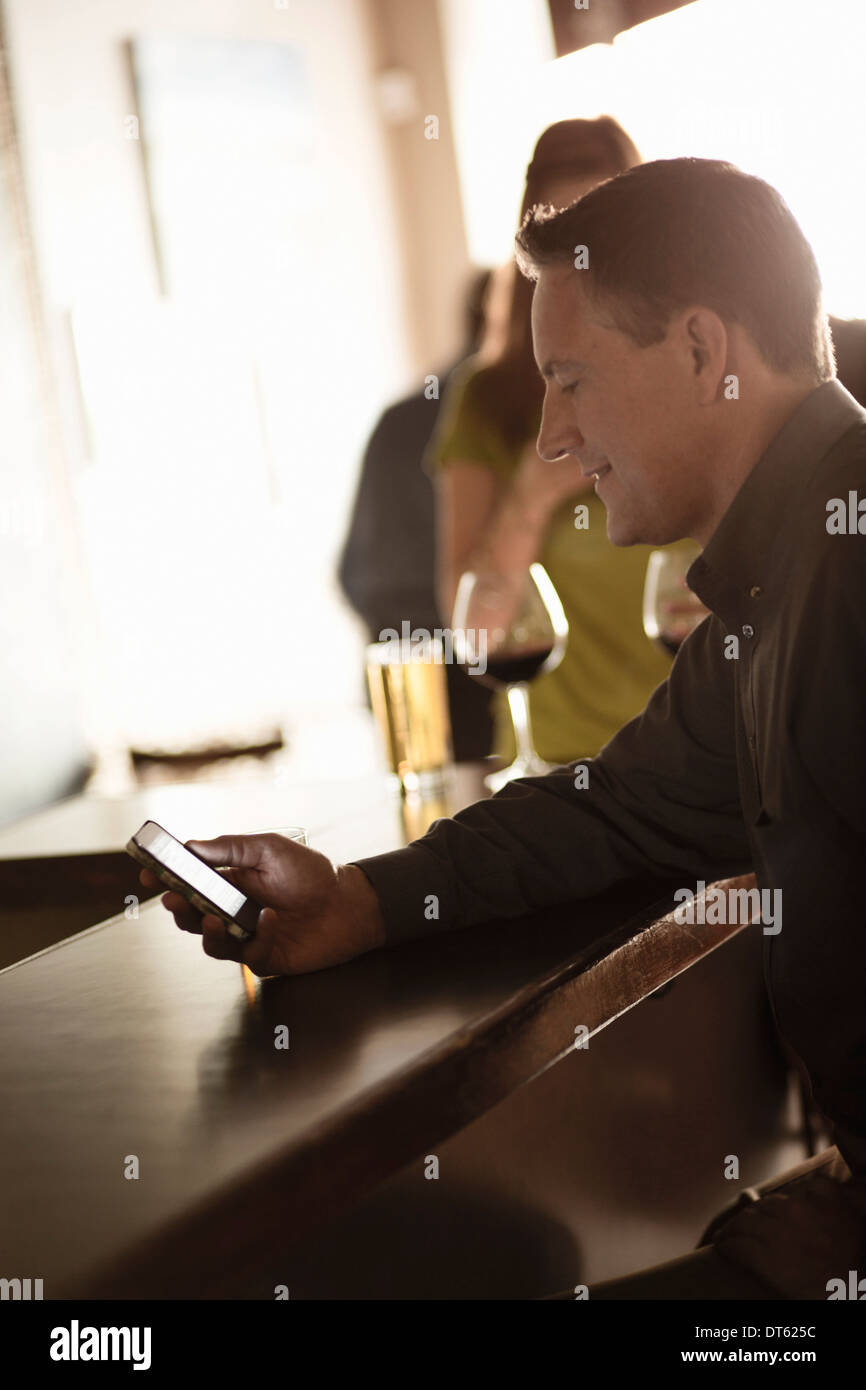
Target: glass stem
518	704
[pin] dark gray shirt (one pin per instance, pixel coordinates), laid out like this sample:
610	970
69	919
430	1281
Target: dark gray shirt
751	755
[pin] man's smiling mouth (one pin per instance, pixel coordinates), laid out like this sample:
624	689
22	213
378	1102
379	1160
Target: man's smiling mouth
598	473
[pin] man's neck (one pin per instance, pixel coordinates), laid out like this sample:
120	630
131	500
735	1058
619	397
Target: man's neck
776	406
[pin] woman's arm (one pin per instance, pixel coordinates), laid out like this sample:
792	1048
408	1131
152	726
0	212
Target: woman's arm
497	530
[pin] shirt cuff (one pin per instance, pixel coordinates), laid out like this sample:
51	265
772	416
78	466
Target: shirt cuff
413	890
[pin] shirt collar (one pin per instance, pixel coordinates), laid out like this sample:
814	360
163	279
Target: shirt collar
737	559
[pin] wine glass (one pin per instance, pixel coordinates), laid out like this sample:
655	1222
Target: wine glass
670	609
506	631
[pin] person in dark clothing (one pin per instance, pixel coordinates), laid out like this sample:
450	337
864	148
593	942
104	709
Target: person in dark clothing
689	368
388	561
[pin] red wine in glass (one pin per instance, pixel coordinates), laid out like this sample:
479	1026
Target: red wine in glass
510	668
525	632
664	588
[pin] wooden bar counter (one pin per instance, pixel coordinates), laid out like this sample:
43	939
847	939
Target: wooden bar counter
158	1144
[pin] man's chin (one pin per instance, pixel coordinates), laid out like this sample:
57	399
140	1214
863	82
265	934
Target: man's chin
621	532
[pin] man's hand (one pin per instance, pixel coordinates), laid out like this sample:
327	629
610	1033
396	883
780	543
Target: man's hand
314	915
798	1240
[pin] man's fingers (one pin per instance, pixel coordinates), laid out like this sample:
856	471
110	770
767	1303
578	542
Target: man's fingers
229	851
188	918
217	942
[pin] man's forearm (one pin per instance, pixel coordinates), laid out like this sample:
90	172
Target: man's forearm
661	800
536	844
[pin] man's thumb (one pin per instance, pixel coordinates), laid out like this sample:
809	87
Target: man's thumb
227	851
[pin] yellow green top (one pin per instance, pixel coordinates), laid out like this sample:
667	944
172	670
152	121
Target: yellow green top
610	667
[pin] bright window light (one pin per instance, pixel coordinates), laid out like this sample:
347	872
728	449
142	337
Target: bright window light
775	88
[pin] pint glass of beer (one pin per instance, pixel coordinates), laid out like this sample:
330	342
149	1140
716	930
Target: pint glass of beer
409	695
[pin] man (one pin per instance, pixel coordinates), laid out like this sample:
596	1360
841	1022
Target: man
678	326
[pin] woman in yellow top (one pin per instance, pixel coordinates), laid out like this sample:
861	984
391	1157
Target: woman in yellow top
501	507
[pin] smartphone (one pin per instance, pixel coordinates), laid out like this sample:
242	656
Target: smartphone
185	872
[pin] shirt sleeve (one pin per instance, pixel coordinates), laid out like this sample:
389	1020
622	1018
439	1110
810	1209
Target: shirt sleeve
661	799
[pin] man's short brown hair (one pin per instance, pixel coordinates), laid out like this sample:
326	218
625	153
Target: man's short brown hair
681	232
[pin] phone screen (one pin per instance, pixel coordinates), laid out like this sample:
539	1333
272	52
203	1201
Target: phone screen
186	873
186	865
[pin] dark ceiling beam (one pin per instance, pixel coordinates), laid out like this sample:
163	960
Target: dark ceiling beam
601	20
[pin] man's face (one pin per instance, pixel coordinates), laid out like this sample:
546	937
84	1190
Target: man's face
627	412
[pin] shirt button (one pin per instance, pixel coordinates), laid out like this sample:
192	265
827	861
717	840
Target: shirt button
755	591
748	630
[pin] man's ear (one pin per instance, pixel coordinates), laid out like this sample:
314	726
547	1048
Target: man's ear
706	341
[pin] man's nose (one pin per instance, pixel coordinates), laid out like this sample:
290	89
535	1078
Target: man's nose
558	434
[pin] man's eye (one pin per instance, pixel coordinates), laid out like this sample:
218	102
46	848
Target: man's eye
570	388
